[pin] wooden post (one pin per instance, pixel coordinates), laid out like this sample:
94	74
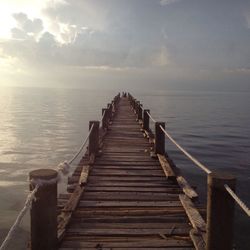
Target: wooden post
105	119
94	137
109	112
137	105
134	104
159	138
220	212
43	212
146	119
139	115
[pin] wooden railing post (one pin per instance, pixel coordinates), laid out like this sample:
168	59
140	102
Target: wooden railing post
159	138
109	107
137	105
105	119
134	104
94	137
43	211
139	114
220	212
146	119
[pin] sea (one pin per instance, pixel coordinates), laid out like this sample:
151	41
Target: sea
42	127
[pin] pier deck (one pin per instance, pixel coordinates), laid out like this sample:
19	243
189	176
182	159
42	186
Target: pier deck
128	199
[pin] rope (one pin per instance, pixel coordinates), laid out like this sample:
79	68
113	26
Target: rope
82	146
238	200
200	165
19	218
151	117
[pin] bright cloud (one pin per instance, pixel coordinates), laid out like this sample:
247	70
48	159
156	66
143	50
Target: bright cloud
180	40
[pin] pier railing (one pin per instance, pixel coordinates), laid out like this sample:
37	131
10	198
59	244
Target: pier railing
221	196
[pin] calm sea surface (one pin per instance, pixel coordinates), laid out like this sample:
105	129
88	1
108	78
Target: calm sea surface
43	127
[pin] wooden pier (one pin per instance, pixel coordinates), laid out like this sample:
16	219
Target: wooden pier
126	193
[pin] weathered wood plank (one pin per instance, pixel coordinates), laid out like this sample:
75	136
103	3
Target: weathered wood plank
187	189
86	203
66	213
135	189
194	216
166	167
128	196
136	244
126	231
197	239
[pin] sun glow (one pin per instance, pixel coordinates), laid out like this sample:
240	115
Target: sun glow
30	7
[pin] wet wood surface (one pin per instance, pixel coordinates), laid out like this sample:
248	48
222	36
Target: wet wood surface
129	200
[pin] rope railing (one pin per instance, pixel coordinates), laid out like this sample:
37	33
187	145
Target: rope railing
63	168
238	200
153	120
82	146
194	160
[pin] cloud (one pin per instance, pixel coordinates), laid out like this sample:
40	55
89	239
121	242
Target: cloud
26	26
89	48
126	35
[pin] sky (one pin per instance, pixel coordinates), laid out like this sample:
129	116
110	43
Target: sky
182	44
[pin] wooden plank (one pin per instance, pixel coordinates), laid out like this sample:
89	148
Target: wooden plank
197	239
130	212
170	219
127	172
187	189
143	243
194	216
124	163
136	189
127	178
65	215
133	225
166	167
128	184
126	231
87	203
150	196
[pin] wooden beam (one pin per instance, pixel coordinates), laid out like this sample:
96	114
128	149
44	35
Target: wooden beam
166	167
194	216
197	239
66	213
186	188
